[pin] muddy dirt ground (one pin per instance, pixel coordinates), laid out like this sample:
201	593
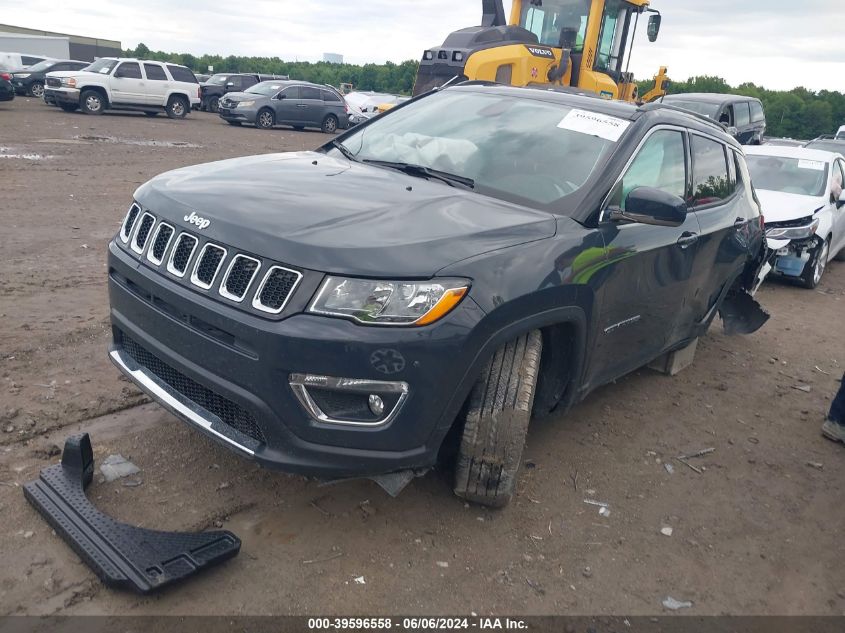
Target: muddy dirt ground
757	528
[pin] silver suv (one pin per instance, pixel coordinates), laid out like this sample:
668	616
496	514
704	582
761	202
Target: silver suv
295	103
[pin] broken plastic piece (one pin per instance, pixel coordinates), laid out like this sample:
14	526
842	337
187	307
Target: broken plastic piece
741	314
121	555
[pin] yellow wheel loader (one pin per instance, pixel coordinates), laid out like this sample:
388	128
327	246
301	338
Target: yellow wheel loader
581	44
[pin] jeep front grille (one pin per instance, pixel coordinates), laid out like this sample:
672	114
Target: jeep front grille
143	233
161	240
207	266
181	254
129	223
238	278
275	290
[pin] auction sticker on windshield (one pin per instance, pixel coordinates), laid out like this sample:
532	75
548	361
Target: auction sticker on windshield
594	124
817	165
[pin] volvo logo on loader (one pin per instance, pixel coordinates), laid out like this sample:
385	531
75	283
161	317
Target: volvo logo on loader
541	52
200	223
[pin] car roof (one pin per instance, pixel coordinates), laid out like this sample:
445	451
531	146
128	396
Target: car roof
708	97
143	61
785	151
619	109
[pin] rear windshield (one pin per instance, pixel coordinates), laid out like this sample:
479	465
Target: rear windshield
523	150
699	107
788	175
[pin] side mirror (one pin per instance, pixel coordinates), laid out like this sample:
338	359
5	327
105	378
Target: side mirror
280	96
654	27
230	84
647	205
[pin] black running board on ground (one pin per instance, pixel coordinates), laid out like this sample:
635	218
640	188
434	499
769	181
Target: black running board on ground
121	555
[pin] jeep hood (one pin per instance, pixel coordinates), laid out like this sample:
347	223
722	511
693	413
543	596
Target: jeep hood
782	207
329	214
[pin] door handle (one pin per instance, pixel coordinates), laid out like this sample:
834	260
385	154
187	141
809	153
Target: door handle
739	223
687	239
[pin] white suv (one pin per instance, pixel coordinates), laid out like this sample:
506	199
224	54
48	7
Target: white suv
126	84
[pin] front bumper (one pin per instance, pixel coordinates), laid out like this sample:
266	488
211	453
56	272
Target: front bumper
237	114
179	334
62	95
791	260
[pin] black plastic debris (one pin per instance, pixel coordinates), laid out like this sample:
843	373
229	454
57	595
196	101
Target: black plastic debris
121	555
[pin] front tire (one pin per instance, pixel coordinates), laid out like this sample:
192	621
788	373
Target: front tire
265	119
814	270
92	102
330	124
178	107
496	423
36	90
213	104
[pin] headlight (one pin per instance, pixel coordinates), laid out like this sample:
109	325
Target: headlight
806	229
70	82
389	302
245	104
22	75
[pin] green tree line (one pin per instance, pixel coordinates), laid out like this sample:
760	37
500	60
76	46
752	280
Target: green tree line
388	77
798	113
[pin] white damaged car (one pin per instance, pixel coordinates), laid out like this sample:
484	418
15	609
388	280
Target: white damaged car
801	192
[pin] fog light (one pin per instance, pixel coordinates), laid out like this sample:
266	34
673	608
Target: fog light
376	405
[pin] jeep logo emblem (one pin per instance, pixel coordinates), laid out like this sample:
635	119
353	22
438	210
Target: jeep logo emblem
200	223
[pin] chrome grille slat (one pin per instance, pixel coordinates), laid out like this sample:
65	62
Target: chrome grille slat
181	254
160	242
142	233
208	265
276	289
129	223
239	277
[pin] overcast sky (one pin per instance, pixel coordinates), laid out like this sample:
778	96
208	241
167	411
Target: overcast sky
776	43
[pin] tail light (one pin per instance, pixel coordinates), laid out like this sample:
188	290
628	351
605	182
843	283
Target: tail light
199	92
6	76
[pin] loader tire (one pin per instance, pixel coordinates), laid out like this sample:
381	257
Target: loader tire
496	423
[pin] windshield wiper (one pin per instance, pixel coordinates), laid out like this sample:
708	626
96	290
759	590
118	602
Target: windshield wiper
343	150
420	171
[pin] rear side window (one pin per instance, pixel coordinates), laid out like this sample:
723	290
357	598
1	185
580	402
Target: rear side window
128	70
660	163
757	112
710	182
328	95
28	60
155	72
180	73
311	93
742	113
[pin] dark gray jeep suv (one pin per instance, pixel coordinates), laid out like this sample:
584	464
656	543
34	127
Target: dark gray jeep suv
442	272
294	103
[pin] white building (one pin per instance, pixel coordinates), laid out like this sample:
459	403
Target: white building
333	58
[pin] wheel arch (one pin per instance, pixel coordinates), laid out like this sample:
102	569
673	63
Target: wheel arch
100	89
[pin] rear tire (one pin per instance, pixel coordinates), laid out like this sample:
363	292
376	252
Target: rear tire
265	119
496	423
92	102
36	90
330	124
814	270
178	107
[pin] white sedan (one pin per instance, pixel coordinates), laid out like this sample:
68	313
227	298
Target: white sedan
801	191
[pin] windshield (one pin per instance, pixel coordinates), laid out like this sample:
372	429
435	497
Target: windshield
788	175
548	20
517	149
267	88
699	107
102	66
218	80
47	63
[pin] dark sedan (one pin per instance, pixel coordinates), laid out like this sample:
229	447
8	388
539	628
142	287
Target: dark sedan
30	81
7	92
